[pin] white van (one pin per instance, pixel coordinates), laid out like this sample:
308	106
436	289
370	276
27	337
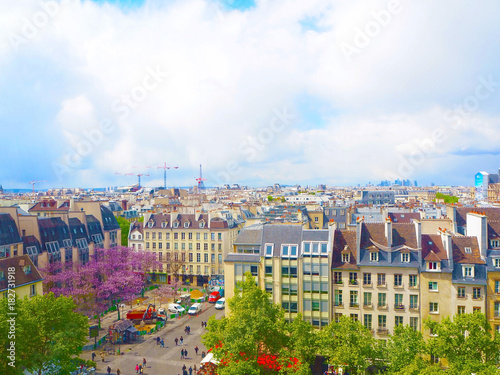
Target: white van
194	309
175	307
220	304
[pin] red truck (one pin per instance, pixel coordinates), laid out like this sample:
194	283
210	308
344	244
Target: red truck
214	297
147	314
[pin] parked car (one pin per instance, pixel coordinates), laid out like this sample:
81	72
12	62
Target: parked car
176	308
214	297
220	304
194	309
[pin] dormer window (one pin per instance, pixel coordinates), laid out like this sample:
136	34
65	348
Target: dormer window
289	251
468	250
494	243
433	266
176	224
27	269
405	257
269	250
468	271
496	262
150	224
186	224
164	224
202	224
345	258
373	256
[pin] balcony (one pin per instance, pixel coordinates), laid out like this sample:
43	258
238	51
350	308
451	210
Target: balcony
354	305
368	306
382	284
368	285
496	315
382	306
338	305
353	282
400	286
461	296
477	298
413	307
382	331
338	282
399	306
413	286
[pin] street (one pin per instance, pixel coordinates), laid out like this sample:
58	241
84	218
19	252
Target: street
160	360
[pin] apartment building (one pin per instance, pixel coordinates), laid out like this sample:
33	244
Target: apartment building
26	281
190	245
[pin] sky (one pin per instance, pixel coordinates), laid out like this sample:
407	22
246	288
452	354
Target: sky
341	93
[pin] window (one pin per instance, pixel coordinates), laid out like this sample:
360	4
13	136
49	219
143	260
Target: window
413	301
337	277
468	250
269	287
338	298
367	279
497	310
353	298
202	224
205	236
460	310
32	290
398	320
293	290
345	258
381	279
289	251
269	270
414	323
497	286
433	286
405	257
198	246
205	246
373	256
337	317
205	258
27	269
398	301
367	321
353	278
253	270
354	317
497	262
413	281
176	236
269	250
315	305
398	280
476	309
432	266
198	257
367	299
476	293
382	321
382	300
433	307
468	271
2	275
461	292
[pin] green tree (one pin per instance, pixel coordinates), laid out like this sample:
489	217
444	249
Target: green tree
348	344
48	334
448	199
404	350
270	198
255	328
302	344
125	227
465	342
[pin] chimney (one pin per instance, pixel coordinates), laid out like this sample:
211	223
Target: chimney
418	233
447	243
124	204
359	227
477	226
388	232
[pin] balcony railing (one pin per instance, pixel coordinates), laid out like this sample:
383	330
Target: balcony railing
382	284
461	296
477	298
338	305
368	285
382	306
399	285
399	306
412	286
368	305
354	305
338	282
413	307
353	282
496	315
382	331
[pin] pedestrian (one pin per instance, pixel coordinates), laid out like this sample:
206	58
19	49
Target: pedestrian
184	367
102	356
162	343
176	341
158	340
190	370
194	368
140	369
137	368
93	356
118	372
185	353
181	340
196	349
109	370
202	354
182	353
144	362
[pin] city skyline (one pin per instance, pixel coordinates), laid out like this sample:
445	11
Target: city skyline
258	92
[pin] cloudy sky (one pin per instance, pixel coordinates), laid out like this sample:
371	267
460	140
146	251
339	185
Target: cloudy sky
258	92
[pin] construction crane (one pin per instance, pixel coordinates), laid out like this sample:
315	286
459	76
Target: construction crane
134	174
33	183
164	167
200	181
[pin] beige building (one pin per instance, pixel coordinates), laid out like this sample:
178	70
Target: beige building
20	275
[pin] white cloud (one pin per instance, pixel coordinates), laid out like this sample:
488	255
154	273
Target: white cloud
228	71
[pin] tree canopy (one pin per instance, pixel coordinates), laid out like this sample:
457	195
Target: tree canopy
48	334
125	227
